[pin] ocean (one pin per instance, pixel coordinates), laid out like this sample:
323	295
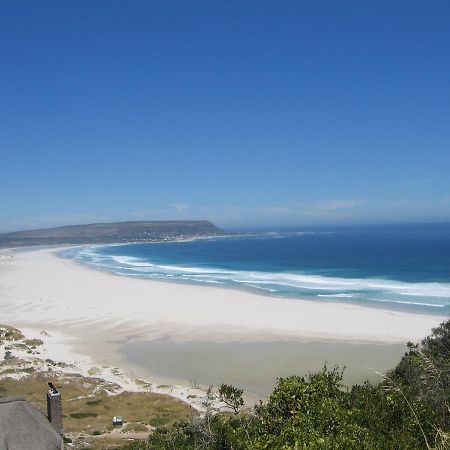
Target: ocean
396	267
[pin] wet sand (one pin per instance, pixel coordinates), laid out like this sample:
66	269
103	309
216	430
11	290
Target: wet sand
255	366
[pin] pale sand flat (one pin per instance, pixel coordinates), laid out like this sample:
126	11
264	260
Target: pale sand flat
37	287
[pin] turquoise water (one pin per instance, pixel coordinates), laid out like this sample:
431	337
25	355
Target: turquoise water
404	268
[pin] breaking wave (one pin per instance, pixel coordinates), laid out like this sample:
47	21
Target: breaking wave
281	284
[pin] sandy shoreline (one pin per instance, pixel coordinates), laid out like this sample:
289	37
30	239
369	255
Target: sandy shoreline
38	287
100	311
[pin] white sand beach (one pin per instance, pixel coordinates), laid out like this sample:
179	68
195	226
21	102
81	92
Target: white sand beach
37	287
97	311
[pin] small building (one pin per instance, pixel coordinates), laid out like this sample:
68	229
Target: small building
117	421
23	426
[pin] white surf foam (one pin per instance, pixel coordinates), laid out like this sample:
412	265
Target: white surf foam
284	283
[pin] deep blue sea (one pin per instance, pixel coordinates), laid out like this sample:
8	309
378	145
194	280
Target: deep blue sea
398	267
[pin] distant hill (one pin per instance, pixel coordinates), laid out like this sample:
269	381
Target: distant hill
115	232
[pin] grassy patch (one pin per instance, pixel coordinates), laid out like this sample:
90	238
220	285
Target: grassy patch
135	427
33	342
159	421
82	415
18	346
104	443
93	371
28	370
142	383
8	333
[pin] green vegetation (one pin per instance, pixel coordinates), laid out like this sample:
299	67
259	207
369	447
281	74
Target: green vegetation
135	427
33	343
8	333
17	370
159	421
82	415
231	396
408	410
18	346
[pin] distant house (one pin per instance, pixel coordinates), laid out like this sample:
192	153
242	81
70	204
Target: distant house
117	421
24	427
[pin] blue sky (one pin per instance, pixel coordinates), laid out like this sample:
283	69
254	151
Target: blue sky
265	113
